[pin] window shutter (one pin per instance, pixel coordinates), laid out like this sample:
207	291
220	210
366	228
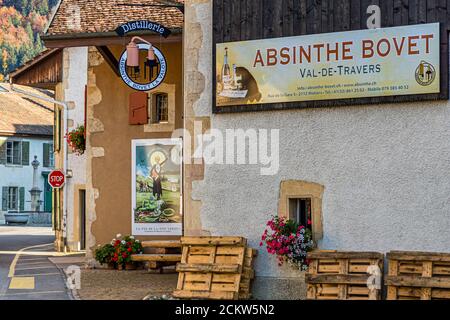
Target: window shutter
46	153
25	153
4	198
2	151
21	199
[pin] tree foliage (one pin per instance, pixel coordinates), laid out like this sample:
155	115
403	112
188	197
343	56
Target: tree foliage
21	23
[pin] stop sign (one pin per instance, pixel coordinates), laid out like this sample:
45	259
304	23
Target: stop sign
56	179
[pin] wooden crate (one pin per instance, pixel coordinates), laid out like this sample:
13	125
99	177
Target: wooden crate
334	275
211	267
418	276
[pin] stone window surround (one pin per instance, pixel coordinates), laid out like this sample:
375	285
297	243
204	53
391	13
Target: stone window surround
290	189
170	90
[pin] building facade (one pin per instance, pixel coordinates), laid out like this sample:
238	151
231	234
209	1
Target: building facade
374	173
368	173
98	193
26	131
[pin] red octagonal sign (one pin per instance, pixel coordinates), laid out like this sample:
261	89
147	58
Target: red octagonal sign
56	179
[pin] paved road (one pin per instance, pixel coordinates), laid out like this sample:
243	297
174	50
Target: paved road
32	275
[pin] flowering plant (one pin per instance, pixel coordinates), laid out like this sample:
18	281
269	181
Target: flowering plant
289	241
76	140
124	247
104	254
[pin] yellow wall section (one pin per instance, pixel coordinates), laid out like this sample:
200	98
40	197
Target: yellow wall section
111	173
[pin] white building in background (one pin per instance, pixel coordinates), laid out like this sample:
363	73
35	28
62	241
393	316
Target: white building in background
26	131
64	71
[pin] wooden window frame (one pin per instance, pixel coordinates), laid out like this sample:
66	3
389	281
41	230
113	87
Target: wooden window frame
165	126
158	110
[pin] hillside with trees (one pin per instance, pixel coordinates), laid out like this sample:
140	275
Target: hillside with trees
21	24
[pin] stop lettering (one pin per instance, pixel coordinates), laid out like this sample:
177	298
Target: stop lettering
56	179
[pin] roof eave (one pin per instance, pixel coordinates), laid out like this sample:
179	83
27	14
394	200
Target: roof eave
32	62
58	5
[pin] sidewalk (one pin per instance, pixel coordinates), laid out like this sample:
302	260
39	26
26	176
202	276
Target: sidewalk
105	284
99	284
26	230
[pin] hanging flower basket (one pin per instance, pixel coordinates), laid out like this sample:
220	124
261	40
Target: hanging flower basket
76	140
289	241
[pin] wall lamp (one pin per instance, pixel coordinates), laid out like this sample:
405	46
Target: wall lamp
133	59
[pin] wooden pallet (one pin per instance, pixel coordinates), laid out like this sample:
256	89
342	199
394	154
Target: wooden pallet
162	244
156	257
334	275
418	276
211	268
248	274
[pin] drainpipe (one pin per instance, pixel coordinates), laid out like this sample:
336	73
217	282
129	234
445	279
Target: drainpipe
65	155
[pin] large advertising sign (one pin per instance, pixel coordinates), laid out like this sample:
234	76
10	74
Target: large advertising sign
156	187
344	65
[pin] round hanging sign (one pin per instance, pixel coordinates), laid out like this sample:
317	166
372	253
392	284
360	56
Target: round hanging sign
153	82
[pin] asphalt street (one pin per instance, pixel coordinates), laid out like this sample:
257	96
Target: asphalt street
26	273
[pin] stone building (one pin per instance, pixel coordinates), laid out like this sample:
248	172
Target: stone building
375	171
368	171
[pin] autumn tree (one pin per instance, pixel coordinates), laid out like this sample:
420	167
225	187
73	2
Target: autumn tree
21	22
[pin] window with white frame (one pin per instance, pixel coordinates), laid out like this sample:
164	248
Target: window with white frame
14	152
13	198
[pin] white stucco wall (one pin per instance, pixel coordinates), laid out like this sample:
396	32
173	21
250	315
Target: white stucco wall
75	80
385	168
22	176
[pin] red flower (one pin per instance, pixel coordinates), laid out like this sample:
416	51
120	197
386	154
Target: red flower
129	249
124	255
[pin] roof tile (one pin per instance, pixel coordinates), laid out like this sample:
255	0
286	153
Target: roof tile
23	115
88	16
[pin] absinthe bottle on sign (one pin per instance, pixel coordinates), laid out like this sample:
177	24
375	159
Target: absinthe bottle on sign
226	72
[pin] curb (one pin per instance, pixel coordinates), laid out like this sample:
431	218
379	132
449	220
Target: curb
72	293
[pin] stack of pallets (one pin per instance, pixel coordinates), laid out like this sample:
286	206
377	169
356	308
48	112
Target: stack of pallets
418	276
334	275
215	268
